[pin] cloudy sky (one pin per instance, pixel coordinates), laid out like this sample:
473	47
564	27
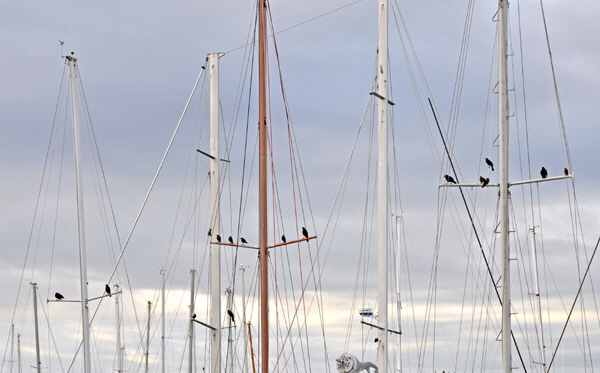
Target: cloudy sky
138	63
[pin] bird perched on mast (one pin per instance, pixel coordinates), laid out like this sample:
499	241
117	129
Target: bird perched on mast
489	163
230	239
484	181
566	171
304	232
107	289
231	315
58	296
283	238
449	179
544	173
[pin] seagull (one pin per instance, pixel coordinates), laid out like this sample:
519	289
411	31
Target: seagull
304	232
544	173
210	232
231	315
566	171
489	163
218	238
449	179
484	181
59	296
283	238
230	239
107	289
243	240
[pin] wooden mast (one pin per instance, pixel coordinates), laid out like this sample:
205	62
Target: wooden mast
262	125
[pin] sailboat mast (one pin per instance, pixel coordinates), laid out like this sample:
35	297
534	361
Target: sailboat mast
215	208
382	185
162	321
503	112
12	346
244	333
191	327
19	353
536	294
38	363
119	320
147	354
72	62
263	221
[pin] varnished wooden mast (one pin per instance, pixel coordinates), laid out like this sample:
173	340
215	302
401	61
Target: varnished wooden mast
263	241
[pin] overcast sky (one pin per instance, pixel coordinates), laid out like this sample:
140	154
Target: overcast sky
138	63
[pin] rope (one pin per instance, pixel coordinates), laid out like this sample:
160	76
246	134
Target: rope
137	218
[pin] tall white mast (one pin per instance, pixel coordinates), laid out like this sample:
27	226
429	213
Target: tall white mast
191	327
72	62
536	294
119	343
19	353
244	333
215	194
162	302
148	336
503	112
398	283
382	185
229	295
12	346
38	363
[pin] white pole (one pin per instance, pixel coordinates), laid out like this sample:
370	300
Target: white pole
119	344
398	299
72	62
148	335
536	293
38	363
382	180
192	311
229	338
12	346
215	194
245	332
162	347
503	112
19	352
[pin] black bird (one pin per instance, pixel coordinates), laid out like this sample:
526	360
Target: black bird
243	240
449	179
544	173
304	232
193	316
210	232
283	238
59	296
566	171
218	238
107	289
230	239
484	181
489	163
376	340
231	315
